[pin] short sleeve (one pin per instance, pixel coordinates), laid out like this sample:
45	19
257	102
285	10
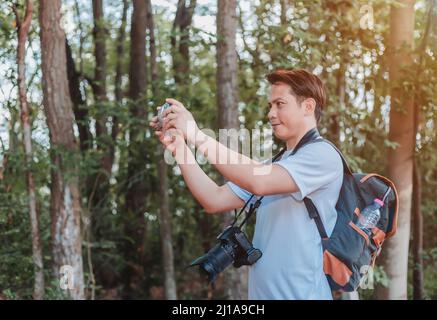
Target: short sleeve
240	192
313	167
243	194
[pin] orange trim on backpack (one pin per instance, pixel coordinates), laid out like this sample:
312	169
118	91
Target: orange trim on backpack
378	236
361	232
392	185
338	271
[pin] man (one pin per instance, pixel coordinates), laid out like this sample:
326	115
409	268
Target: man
292	263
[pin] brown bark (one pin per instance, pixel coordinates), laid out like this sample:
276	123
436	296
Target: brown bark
23	26
79	104
98	184
180	40
135	224
227	101
400	160
164	208
119	69
85	141
99	88
284	6
418	281
98	193
166	232
65	204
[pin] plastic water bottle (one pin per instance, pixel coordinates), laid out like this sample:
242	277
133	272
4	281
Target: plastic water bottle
370	216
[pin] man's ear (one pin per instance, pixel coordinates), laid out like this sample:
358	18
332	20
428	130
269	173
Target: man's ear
309	105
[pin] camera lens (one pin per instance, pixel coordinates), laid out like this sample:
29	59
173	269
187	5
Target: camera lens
215	261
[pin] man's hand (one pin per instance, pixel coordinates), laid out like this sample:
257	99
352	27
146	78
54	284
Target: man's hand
173	140
178	117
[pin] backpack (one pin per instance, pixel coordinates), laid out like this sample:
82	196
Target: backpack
349	252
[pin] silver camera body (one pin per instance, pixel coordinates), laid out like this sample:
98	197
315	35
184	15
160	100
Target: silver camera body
161	114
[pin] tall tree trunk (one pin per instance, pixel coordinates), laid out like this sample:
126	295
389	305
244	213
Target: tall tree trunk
119	70
79	104
65	204
99	33
85	142
284	7
418	283
99	183
23	31
180	40
135	223
400	160
227	101
165	215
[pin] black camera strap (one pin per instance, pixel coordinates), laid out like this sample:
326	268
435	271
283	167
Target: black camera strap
309	137
254	206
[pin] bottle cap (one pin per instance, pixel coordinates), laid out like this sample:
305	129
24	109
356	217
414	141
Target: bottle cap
380	202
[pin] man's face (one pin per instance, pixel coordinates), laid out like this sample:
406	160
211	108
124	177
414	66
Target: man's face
286	115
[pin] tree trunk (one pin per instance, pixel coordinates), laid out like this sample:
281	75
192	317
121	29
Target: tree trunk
166	231
119	68
99	183
65	204
165	215
135	223
418	285
227	101
284	8
99	86
23	31
79	104
180	41
418	282
400	160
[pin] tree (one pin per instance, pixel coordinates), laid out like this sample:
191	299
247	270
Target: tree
400	160
416	207
180	40
23	26
135	202
98	183
164	207
227	102
119	69
79	103
99	81
65	206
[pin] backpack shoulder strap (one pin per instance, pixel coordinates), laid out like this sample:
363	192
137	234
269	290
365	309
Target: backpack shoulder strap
309	204
314	214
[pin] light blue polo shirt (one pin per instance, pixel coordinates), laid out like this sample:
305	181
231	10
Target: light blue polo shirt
291	266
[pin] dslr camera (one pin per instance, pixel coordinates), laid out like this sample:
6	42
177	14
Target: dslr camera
233	247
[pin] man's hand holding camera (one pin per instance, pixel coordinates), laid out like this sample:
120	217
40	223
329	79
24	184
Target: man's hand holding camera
173	125
175	116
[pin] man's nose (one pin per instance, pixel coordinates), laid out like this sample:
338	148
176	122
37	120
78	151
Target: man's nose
272	114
